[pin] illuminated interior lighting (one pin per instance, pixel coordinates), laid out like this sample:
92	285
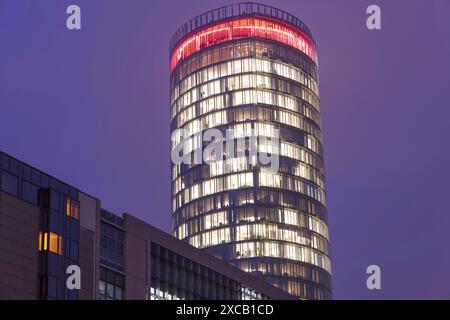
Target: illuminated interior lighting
243	28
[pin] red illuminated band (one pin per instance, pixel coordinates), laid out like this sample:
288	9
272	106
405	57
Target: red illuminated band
243	28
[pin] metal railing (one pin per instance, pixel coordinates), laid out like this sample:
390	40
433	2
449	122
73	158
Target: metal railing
235	10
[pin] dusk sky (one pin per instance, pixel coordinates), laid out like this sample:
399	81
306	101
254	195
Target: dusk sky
91	108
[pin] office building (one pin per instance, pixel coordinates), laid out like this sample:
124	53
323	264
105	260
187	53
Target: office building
252	68
46	225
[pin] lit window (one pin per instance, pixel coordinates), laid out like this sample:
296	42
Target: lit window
72	208
53	243
42	241
50	241
68	206
75	210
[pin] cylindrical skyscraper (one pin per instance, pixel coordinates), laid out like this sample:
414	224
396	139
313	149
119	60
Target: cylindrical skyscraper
251	67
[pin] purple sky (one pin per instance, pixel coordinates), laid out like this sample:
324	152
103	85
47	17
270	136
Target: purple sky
92	108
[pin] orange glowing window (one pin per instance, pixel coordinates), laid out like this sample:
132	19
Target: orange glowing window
50	241
53	243
60	245
243	28
68	206
42	241
72	209
75	210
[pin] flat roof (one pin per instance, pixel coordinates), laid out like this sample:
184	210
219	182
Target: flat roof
145	231
2	153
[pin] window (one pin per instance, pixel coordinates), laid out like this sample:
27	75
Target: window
290	251
51	242
9	183
111	285
54	200
53	286
55	222
111	246
72	208
30	192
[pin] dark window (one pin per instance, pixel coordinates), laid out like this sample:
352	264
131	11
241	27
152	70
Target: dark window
64	189
26	172
73	227
44	181
54	265
54	200
35	177
72	294
14	166
111	285
9	183
111	246
53	184
56	222
73	193
30	192
112	218
74	250
4	162
52	286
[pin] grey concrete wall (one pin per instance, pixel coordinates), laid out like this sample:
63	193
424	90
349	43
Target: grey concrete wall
19	228
89	243
135	267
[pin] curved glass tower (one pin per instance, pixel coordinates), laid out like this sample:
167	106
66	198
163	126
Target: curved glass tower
250	67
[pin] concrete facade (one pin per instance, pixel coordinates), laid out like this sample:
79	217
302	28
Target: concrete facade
19	227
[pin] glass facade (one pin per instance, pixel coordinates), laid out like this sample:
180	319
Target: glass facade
111	285
111	241
112	276
175	277
58	243
59	225
253	73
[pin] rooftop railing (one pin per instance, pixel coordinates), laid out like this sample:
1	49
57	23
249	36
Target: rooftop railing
235	10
